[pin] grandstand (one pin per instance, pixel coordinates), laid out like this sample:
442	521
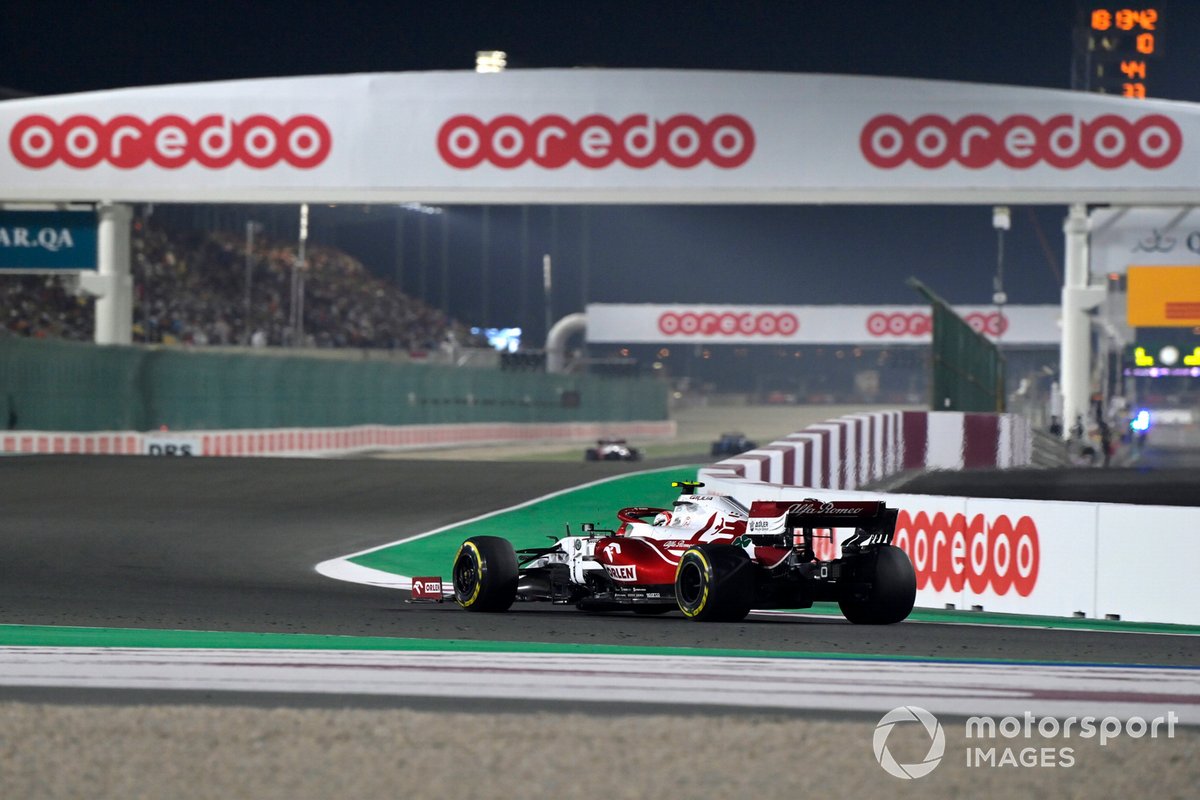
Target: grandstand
189	289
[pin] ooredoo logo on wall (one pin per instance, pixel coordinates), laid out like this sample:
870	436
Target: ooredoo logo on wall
1020	141
171	141
708	323
901	324
950	552
595	141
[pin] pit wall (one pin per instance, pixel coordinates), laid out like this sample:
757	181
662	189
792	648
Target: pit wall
1010	556
320	441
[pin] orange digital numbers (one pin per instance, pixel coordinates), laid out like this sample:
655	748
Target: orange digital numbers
1134	69
1122	41
1126	19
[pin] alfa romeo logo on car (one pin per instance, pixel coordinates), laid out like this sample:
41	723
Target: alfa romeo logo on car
937	742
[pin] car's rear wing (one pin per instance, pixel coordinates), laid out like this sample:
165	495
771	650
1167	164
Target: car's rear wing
872	520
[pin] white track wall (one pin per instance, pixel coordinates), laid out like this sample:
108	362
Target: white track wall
846	452
1012	556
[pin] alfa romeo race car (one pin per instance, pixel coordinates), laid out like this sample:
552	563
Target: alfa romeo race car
708	556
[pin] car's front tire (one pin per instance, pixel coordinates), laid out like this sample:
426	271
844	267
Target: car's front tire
882	589
485	574
715	583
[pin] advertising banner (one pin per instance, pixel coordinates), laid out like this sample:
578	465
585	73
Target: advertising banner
1163	297
628	323
1145	236
47	241
591	135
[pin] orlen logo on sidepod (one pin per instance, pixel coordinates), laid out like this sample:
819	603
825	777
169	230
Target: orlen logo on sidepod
948	553
1020	141
595	141
765	323
170	141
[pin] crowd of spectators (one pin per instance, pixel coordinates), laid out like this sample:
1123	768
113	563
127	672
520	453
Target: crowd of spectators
40	307
190	288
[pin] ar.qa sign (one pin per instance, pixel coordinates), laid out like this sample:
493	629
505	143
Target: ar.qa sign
47	241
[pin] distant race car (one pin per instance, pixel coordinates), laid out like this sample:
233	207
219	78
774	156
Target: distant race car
732	444
612	450
707	556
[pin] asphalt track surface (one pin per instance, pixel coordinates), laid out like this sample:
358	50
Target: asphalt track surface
1166	472
230	544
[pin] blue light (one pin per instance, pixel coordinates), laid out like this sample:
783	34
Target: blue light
503	339
1141	422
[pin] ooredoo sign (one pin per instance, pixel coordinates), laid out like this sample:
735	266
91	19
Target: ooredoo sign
728	323
170	141
1064	141
919	324
633	323
951	552
643	136
596	141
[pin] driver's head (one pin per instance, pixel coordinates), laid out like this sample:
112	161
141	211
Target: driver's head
662	519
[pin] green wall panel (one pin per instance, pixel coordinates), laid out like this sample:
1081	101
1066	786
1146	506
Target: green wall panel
67	386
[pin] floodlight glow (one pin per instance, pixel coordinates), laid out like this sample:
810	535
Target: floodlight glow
1141	422
421	208
490	60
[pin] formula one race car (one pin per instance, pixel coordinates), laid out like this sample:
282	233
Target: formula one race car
731	444
707	556
612	450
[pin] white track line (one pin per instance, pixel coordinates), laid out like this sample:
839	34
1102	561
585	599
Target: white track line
683	681
342	569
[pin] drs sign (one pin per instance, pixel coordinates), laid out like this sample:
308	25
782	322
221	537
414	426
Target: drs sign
158	444
47	241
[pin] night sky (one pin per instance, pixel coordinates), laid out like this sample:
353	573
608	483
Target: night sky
731	254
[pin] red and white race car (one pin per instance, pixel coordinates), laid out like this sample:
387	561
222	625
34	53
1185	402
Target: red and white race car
612	450
707	556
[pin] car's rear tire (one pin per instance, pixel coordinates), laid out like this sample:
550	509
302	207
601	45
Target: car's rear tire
715	583
883	587
591	455
485	574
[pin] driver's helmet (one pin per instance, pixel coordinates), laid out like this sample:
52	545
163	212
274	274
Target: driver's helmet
662	519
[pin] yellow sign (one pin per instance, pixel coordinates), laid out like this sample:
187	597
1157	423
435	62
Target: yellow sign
1164	297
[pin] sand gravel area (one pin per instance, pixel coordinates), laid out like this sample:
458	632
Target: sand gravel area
208	752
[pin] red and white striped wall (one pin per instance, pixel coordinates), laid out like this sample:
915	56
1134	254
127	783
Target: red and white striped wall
850	451
321	441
